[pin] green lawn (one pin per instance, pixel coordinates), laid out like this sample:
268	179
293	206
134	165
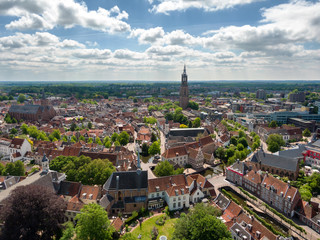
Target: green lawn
147	225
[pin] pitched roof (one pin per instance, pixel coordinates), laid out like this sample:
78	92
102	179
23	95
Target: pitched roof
92	192
276	161
17	143
117	224
29	109
75	204
163	183
175	151
68	188
127	180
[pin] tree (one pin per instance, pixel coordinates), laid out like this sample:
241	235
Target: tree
21	98
1	169
68	232
19	169
128	236
233	140
164	168
243	141
24	128
32	212
124	138
305	192
273	124
240	147
196	123
56	134
114	137
275	141
242	134
13	131
154	148
193	105
98	141
83	169
89	125
153	137
201	223
145	150
73	126
306	133
93	223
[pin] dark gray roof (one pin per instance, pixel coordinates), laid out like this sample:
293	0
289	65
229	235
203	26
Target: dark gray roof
276	161
293	153
240	167
25	108
69	188
127	180
187	132
238	229
222	201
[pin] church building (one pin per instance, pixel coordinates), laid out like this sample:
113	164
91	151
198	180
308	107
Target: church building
30	112
184	90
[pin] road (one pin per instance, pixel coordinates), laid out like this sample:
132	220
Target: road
163	142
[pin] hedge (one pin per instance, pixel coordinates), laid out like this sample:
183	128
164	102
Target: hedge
248	194
267	225
292	223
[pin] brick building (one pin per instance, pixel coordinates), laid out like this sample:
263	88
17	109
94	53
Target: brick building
125	192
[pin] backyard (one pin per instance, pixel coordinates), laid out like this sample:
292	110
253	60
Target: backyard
147	225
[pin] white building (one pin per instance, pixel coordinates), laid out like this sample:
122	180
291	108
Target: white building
18	148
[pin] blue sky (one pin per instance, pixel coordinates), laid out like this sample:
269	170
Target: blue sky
152	39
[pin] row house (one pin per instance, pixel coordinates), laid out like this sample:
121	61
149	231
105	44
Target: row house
178	191
273	191
18	148
279	195
195	153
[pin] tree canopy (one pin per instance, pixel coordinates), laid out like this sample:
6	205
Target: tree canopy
32	212
306	133
83	169
14	169
93	223
275	141
154	148
164	168
201	222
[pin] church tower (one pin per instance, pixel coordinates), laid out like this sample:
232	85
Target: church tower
184	90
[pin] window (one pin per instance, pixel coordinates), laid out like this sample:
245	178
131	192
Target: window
152	195
134	205
174	205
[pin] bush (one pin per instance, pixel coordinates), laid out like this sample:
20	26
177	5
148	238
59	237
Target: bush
133	217
161	221
248	194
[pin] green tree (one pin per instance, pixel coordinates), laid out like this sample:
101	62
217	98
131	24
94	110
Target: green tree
74	139
1	169
305	192
24	128
116	143
128	236
56	134
153	137
306	133
243	141
93	223
73	126
164	168
108	144
68	232
275	141
89	125
124	138
13	131
114	137
201	223
98	141
154	148
196	123
193	105
82	138
145	150
242	134
233	140
21	98
19	169
65	138
273	124
240	147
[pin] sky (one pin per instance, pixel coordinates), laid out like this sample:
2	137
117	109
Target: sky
65	40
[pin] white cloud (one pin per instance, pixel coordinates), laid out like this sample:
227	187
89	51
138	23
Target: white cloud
146	36
45	15
166	6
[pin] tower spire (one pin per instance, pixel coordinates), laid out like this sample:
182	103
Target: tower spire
184	69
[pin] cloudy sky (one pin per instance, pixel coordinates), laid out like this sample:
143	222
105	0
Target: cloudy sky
152	39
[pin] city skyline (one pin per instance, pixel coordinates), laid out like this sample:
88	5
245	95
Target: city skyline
152	40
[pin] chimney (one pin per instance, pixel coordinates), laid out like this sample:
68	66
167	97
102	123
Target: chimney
117	178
